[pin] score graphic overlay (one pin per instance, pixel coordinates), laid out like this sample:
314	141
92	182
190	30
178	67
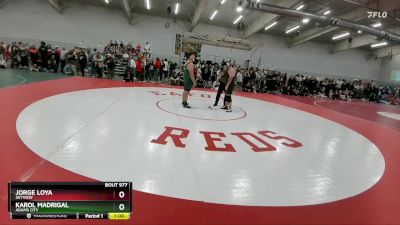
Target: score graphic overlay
70	200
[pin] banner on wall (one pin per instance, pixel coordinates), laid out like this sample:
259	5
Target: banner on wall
182	46
178	44
395	75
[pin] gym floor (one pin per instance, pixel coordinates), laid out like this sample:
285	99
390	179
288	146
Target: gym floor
9	78
274	160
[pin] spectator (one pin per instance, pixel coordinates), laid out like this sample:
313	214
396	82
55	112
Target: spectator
138	47
3	63
239	78
82	58
24	55
165	69
62	58
93	62
2	50
52	65
139	68
131	69
151	71
247	87
34	54
72	61
99	63
57	54
43	54
8	52
15	57
146	73
147	48
110	66
157	68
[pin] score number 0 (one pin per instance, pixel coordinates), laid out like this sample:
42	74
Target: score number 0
121	206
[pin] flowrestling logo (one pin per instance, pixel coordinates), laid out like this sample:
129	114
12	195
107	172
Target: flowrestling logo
377	14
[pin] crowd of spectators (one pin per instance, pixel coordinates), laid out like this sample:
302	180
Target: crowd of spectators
135	63
275	82
269	81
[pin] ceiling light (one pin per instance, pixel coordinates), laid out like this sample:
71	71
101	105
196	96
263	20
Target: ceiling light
148	4
258	1
213	14
335	37
107	1
305	20
327	12
176	8
359	31
222	2
240	7
299	7
379	44
292	29
237	19
378	24
271	25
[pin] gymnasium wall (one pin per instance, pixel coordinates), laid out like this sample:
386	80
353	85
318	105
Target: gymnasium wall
309	58
83	23
390	69
90	26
